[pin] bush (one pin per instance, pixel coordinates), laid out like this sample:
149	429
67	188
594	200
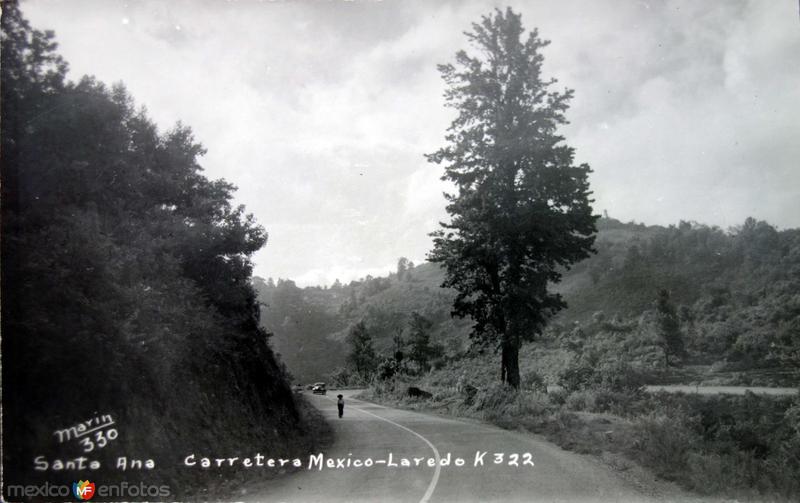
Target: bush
792	418
615	376
583	400
387	369
602	400
663	442
531	380
495	398
709	473
468	393
392	390
530	404
576	377
618	376
558	396
786	463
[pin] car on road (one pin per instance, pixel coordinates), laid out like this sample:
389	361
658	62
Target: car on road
319	388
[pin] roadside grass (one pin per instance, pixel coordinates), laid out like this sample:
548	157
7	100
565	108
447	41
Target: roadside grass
743	447
314	435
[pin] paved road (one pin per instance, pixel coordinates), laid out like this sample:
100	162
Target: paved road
370	431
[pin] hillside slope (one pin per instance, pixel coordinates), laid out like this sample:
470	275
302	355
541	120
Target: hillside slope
736	293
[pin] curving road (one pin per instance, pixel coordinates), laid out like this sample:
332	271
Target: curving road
370	431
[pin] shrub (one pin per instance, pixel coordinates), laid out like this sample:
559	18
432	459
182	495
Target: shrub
708	473
615	376
558	396
575	377
786	463
602	400
582	400
530	404
563	427
618	376
663	442
468	393
387	369
531	380
792	418
494	398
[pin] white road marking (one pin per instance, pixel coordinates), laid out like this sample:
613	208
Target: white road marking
432	486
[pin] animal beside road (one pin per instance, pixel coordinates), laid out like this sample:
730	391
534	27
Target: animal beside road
415	392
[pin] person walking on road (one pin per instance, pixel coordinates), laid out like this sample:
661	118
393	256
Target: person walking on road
340	404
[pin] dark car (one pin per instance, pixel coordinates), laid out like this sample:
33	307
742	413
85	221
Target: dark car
319	388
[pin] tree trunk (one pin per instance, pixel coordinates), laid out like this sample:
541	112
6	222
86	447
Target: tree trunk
510	363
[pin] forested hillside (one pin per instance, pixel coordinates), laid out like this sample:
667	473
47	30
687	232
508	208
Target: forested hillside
125	283
736	293
299	322
310	326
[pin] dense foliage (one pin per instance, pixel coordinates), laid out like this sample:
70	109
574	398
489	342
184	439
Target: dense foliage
125	279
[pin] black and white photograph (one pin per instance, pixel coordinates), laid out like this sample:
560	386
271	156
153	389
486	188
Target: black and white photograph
423	251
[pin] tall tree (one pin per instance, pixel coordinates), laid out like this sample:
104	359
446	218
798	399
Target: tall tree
521	211
402	267
362	354
419	341
669	327
399	345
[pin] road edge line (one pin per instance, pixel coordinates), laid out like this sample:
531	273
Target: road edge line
432	486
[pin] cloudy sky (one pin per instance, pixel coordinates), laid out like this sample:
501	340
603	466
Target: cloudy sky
320	112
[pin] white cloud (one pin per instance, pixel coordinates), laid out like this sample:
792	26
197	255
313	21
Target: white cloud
326	277
321	112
